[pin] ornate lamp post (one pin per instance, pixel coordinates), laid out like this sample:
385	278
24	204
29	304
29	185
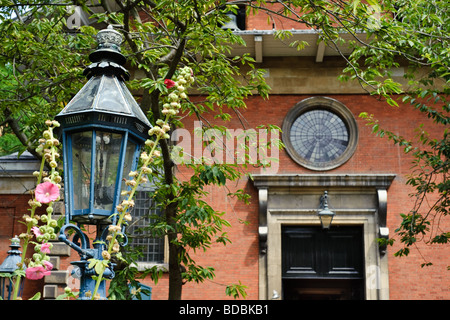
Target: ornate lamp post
103	129
8	267
325	214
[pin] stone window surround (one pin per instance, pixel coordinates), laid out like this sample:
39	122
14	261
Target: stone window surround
325	103
372	218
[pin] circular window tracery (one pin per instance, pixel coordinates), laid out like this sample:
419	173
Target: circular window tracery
320	133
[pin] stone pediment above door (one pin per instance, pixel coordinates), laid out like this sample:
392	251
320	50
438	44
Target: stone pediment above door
299	195
323	180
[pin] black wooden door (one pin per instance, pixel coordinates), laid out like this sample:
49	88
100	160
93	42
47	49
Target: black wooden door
314	253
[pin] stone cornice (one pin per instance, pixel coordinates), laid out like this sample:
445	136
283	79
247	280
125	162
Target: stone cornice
378	181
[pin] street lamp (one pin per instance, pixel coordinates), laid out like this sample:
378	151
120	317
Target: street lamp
325	214
8	267
103	130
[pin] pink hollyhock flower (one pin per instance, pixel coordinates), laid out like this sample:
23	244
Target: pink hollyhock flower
36	231
169	83
48	265
45	248
47	192
36	273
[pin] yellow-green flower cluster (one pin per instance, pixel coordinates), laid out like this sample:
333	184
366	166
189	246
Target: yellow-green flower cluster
183	80
47	191
48	147
170	108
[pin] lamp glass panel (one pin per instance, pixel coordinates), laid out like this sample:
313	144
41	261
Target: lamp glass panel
84	99
131	102
81	169
129	164
326	220
107	155
110	98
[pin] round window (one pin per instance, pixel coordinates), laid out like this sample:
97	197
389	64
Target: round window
320	133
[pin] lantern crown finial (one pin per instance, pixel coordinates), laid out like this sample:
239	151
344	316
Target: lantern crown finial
109	38
107	58
105	99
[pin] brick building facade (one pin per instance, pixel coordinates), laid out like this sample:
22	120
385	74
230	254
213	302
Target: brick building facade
366	190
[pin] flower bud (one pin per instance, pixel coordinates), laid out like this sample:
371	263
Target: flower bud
146	170
173	96
106	255
116	247
46	134
114	228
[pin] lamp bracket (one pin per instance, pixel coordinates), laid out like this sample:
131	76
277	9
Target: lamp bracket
83	251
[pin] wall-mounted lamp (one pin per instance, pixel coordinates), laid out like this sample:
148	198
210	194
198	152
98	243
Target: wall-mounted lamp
325	214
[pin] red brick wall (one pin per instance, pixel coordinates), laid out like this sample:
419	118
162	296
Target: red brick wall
12	209
264	21
238	261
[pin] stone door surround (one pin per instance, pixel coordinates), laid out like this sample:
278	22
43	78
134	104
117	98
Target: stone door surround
293	199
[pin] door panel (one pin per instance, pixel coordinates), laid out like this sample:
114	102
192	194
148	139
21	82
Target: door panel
311	252
344	252
302	259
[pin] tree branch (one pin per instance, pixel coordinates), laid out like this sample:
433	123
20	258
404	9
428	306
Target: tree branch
15	127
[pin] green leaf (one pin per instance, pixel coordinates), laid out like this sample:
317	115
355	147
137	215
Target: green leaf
37	296
92	263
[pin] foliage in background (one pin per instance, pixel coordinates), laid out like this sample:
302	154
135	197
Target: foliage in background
47	59
414	36
385	37
42	62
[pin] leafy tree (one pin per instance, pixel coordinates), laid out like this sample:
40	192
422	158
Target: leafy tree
414	34
160	39
40	64
162	36
385	35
